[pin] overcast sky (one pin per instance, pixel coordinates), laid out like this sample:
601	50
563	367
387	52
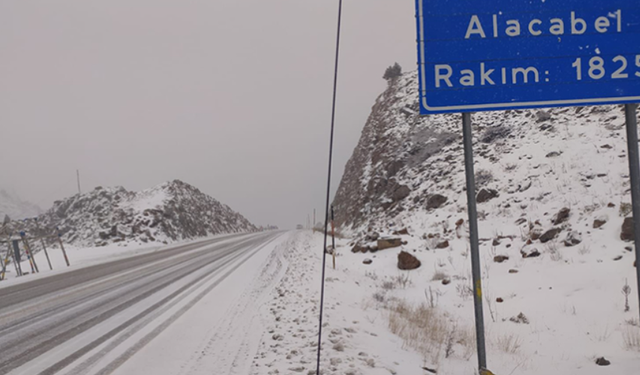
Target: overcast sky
231	96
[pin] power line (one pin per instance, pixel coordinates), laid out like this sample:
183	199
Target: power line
326	216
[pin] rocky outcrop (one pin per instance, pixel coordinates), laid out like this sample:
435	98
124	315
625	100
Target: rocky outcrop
169	212
408	171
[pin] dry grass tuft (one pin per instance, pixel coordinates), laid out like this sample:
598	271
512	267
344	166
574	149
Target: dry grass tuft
427	330
509	343
631	337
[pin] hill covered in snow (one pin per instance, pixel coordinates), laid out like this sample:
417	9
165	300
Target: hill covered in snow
555	241
169	212
16	208
408	170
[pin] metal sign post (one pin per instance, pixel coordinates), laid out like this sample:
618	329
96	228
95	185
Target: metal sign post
30	255
473	239
5	261
66	259
16	256
44	247
634	169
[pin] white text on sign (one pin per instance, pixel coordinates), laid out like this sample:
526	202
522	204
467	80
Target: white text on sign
536	27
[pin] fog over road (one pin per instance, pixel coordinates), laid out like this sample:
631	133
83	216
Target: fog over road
93	319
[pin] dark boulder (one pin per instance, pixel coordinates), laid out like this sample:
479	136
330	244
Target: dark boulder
561	216
573	238
485	195
597	223
542	116
436	201
401	193
550	234
530	253
387	243
627	232
442	244
602	361
407	261
401	232
357	248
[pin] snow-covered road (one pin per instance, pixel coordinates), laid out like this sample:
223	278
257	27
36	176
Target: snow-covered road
149	312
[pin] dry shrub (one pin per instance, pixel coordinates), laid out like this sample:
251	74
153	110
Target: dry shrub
427	330
625	209
554	252
464	291
388	285
509	343
403	280
631	337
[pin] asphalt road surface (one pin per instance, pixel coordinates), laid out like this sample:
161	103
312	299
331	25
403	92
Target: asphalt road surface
68	323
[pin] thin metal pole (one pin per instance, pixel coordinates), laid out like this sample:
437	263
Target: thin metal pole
473	238
15	254
78	177
634	169
326	215
27	249
44	247
62	248
5	261
333	239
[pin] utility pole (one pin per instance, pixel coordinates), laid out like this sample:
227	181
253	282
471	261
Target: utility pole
78	176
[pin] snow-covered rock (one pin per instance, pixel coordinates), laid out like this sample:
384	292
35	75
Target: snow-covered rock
576	159
169	212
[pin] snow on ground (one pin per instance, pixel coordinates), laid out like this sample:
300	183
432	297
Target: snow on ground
262	319
221	333
575	314
355	335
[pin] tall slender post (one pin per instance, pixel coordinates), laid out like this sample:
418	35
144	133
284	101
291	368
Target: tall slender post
44	247
16	255
333	239
473	239
326	215
634	169
78	177
62	247
5	261
27	250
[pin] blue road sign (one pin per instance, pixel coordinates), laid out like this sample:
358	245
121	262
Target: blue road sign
478	55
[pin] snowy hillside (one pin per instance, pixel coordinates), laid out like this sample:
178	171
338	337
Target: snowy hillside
16	208
169	212
553	197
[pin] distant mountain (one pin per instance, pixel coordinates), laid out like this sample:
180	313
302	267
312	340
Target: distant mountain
169	212
16	208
